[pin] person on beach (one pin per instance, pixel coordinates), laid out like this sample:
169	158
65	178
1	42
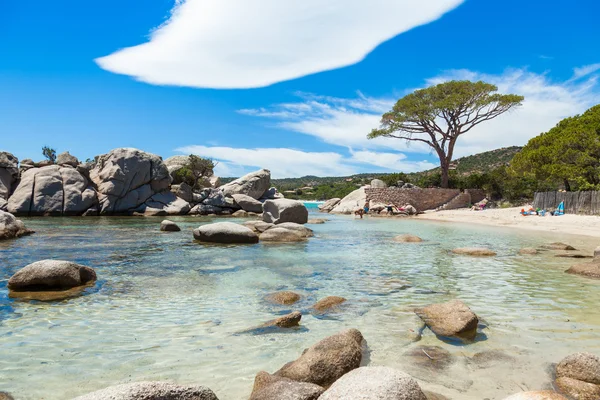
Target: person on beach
366	207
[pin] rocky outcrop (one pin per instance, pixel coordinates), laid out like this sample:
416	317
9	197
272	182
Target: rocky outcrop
578	376
378	184
169	226
536	395
66	159
329	205
164	203
50	275
374	383
11	228
126	178
254	184
474	251
9	173
52	190
225	232
272	387
284	210
352	202
326	361
151	391
451	319
283	298
328	303
248	203
407	239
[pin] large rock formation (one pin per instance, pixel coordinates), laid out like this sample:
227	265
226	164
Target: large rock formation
254	184
578	376
126	178
352	202
225	232
451	319
374	383
329	204
10	227
284	210
66	159
378	184
326	361
9	173
52	190
248	203
50	275
164	203
151	391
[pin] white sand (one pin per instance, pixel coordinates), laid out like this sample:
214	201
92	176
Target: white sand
509	217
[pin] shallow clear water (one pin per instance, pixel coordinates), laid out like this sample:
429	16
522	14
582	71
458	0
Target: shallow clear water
167	308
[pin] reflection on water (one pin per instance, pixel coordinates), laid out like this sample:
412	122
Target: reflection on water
166	308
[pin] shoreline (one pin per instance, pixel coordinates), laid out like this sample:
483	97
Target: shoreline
582	225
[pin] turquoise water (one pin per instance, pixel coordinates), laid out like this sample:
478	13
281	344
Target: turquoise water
167	308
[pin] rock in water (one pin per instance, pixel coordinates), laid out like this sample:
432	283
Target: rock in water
284	210
429	357
451	319
281	235
352	202
558	246
326	361
248	203
541	395
6	396
11	228
225	232
589	270
578	376
258	226
374	383
528	251
316	221
169	226
126	178
287	321
284	298
151	391
328	303
271	387
51	275
474	251
407	239
329	205
254	184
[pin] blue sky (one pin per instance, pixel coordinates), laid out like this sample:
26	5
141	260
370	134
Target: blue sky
292	86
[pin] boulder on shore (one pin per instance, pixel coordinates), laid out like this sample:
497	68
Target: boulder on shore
474	251
329	205
352	202
374	383
589	270
451	319
284	210
151	391
558	246
326	361
247	203
272	387
11	227
536	395
225	232
578	376
169	226
254	184
51	275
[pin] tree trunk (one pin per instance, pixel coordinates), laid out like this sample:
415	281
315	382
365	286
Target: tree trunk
445	166
567	185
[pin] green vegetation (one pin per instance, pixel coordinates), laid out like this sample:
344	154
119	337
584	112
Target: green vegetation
195	168
439	114
49	153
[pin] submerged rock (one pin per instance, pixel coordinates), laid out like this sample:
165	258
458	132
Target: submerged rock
169	226
283	298
287	321
11	227
328	303
316	221
51	275
490	358
374	383
578	376
407	239
225	232
474	251
151	391
528	251
430	357
451	319
272	387
284	210
558	246
6	396
326	361
536	395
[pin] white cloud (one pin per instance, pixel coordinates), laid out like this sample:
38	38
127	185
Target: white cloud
255	43
391	161
585	70
346	122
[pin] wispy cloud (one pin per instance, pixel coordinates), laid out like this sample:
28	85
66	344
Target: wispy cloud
585	70
255	43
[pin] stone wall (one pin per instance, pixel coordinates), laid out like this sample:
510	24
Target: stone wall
421	199
476	195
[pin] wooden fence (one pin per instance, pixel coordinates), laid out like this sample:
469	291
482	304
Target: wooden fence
575	202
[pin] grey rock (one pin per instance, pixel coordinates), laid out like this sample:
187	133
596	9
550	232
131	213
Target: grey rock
254	184
67	159
184	191
151	391
298	228
272	387
51	274
126	178
247	203
451	319
284	210
258	226
374	383
169	226
225	232
164	203
378	184
240	214
9	173
281	235
329	205
11	228
352	202
203	209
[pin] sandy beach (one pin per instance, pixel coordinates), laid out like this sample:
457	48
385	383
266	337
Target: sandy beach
587	225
